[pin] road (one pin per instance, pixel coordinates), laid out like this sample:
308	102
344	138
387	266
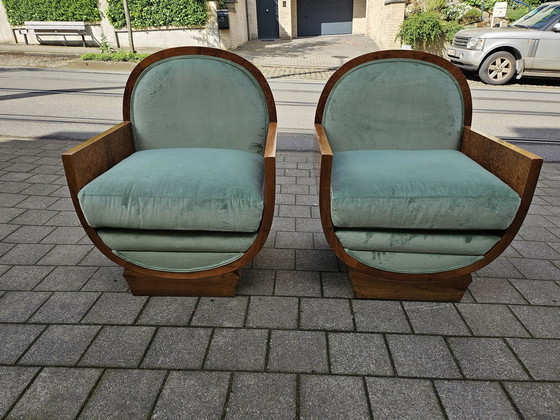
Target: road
77	104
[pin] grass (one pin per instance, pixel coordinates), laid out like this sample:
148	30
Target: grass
114	56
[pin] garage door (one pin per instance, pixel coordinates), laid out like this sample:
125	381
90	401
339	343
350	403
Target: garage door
324	17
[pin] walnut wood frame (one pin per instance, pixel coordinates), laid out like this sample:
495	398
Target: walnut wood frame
516	167
90	159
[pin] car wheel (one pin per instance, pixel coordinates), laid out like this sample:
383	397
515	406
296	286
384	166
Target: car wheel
498	68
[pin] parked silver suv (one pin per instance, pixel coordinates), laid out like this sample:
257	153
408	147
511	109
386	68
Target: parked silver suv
529	46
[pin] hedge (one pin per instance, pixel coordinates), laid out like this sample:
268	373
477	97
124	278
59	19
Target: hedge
19	11
157	13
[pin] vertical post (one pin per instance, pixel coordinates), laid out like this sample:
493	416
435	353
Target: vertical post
128	25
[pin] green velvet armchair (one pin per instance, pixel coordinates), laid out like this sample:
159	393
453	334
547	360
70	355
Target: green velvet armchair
181	194
412	199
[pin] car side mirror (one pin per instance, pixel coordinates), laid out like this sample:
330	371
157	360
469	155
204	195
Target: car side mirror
556	28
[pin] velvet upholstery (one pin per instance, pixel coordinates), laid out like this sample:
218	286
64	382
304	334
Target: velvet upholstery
198	101
176	241
424	242
186	262
422	189
403	104
413	263
178	189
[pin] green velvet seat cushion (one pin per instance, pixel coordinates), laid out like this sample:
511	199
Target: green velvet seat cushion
412	263
421	189
456	243
176	241
399	103
178	189
185	262
198	101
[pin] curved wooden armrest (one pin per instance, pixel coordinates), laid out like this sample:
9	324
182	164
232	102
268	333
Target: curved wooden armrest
88	160
516	167
324	145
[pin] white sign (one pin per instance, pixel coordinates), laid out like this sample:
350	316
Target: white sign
500	9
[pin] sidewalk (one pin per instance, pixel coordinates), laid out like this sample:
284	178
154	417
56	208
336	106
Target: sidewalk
294	344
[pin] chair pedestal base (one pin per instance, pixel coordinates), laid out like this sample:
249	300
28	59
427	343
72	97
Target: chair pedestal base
144	285
370	287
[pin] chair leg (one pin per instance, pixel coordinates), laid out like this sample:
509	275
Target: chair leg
371	287
143	285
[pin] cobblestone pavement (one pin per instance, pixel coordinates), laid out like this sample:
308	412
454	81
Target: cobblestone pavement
74	343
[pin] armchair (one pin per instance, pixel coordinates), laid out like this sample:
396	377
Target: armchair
412	199
181	193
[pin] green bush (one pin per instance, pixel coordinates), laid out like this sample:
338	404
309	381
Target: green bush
515	14
19	11
450	29
421	29
157	13
470	16
116	56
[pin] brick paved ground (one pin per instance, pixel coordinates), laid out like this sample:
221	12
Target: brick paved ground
293	344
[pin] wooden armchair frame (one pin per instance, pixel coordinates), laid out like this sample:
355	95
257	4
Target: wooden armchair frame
92	158
516	167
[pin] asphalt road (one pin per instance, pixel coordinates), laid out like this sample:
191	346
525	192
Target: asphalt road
77	104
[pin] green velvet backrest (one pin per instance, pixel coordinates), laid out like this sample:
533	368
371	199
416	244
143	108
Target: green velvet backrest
198	101
395	104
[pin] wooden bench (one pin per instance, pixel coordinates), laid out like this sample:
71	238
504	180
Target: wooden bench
54	28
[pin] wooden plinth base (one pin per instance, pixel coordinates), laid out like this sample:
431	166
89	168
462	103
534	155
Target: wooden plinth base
143	285
370	287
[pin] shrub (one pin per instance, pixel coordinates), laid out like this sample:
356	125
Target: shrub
157	13
19	11
450	29
116	56
515	14
470	16
421	29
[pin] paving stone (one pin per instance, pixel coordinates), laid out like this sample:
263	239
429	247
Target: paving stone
487	290
64	203
118	347
4	248
359	354
536	233
19	306
115	308
15	176
11	200
6	229
316	260
294	189
60	345
403	399
25	254
308	225
294	240
37	202
540	357
540	321
13	381
326	314
41	189
8	214
64	235
13	187
57	393
178	348
486	358
500	267
14	341
284	224
273	312
192	395
336	285
43	179
333	397
307	200
435	318
294	211
533	249
422	356
380	316
65	308
276	259
168	310
66	255
220	312
64	218
256	282
237	349
107	279
492	320
298	351
539	292
29	234
124	394
319	241
66	279
471	400
34	217
536	269
297	283
276	397
536	401
23	277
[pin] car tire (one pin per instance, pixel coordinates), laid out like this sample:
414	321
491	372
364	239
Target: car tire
498	68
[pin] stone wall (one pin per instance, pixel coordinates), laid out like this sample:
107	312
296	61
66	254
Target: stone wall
383	21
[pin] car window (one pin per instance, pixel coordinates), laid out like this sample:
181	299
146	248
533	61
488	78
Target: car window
538	18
